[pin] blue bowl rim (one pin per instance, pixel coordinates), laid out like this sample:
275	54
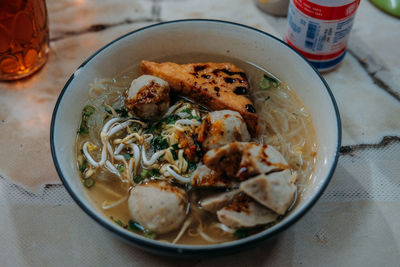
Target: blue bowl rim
178	249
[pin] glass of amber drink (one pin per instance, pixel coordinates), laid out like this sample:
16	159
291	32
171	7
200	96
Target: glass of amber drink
24	37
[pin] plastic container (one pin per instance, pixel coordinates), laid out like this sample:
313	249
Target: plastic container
319	29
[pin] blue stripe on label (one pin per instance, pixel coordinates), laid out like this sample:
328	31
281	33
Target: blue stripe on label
327	64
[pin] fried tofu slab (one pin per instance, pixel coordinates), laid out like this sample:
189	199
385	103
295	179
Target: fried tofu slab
217	86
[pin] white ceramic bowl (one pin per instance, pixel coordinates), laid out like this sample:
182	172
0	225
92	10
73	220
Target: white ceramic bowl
194	36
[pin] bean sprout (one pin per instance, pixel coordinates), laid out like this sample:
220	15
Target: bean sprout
109	148
117	128
136	155
89	173
112	169
119	148
88	156
103	155
225	228
177	176
106	127
114	204
130	137
153	159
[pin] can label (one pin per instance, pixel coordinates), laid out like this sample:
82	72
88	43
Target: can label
319	29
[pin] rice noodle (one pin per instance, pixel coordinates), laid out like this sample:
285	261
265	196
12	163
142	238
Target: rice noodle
285	125
172	109
207	238
183	229
192	122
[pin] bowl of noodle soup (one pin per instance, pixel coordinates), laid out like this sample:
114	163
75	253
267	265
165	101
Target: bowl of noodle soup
297	115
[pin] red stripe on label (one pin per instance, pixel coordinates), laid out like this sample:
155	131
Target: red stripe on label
326	12
315	56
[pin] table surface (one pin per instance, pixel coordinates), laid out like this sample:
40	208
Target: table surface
356	222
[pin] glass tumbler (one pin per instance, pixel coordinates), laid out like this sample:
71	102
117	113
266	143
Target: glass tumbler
24	37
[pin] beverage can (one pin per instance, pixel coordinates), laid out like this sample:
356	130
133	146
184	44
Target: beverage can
319	29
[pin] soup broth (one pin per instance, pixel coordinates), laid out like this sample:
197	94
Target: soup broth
284	123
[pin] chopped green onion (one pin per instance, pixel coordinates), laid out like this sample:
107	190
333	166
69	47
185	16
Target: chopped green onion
266	82
86	113
117	221
88	183
137	178
123	112
267	98
83	166
186	110
159	143
241	233
174	151
107	109
155	127
88	110
106	117
171	119
144	173
154	172
194	117
192	165
121	168
134	226
264	85
127	156
270	79
83	130
176	146
135	127
150	235
174	154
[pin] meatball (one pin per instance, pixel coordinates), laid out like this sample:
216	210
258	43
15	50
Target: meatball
244	160
158	207
148	97
222	127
